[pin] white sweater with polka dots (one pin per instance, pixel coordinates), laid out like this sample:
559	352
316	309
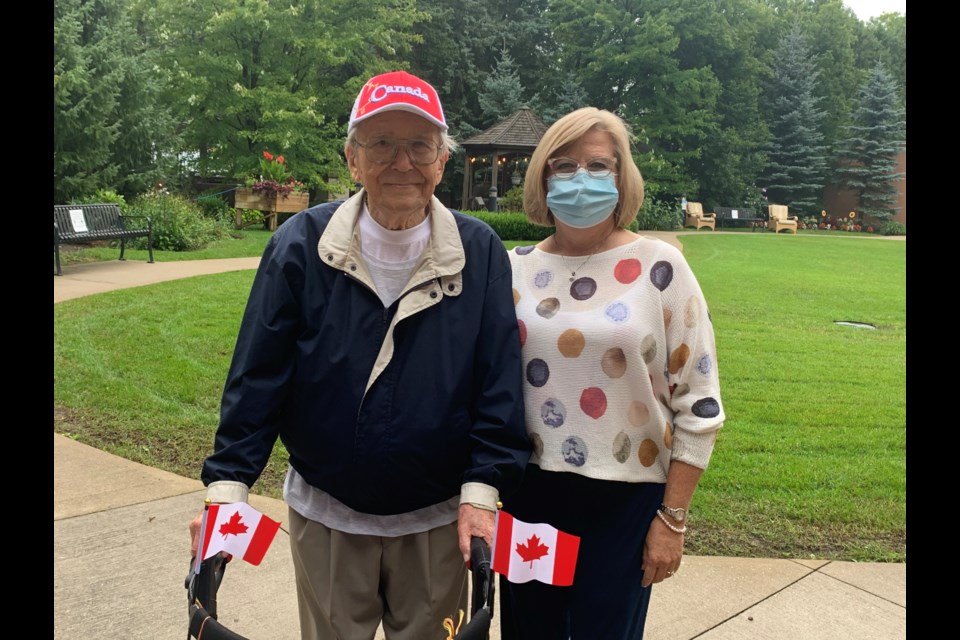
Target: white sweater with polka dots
620	370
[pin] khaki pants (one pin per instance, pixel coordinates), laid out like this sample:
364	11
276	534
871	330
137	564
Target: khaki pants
347	584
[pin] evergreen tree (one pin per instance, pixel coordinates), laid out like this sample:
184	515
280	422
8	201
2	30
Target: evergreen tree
502	92
875	137
86	85
796	167
569	96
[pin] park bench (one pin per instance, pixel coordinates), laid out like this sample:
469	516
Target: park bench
84	223
734	216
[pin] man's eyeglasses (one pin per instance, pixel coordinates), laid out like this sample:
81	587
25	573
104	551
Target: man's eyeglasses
384	150
566	168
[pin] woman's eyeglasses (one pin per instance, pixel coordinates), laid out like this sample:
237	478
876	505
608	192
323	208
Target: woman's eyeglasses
566	168
384	150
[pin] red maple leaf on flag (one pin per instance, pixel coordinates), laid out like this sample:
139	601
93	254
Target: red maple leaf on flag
234	526
533	550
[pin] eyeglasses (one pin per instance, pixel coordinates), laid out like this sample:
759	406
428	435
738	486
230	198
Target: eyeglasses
566	168
384	150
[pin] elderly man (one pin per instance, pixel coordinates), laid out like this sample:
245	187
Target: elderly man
381	345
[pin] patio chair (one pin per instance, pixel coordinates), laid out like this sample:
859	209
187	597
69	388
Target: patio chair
779	218
696	218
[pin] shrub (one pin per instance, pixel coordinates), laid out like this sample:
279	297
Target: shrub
178	223
105	196
512	225
656	215
512	200
891	228
216	208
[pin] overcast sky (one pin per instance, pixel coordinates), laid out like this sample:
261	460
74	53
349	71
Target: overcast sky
866	9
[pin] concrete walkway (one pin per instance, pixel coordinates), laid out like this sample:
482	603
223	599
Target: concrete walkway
121	549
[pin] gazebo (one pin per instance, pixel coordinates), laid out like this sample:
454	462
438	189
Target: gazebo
499	155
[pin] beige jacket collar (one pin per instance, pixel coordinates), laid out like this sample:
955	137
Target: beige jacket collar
438	274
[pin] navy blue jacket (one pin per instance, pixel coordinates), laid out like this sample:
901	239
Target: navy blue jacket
387	410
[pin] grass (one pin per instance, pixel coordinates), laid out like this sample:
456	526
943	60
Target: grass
244	243
811	461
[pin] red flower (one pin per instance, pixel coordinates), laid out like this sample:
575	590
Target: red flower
280	159
268	155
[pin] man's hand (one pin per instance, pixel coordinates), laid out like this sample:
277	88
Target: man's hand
474	522
195	534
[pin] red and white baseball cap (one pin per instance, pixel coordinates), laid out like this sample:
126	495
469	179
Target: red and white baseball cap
397	90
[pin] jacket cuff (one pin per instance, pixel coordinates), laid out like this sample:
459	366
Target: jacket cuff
227	491
481	496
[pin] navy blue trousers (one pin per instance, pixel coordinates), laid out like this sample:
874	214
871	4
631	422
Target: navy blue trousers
606	601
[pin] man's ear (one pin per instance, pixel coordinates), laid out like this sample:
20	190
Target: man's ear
355	173
442	164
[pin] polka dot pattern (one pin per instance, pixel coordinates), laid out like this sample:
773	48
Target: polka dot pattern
678	358
617	312
627	270
661	275
537	443
668	436
543	279
593	402
553	413
537	372
574	451
603	377
705	365
638	414
706	408
583	288
548	308
621	447
691	313
614	363
648	452
648	348
571	343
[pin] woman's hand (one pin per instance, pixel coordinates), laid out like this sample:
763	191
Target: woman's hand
662	553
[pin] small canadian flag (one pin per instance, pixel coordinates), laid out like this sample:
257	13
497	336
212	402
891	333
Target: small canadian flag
523	552
238	529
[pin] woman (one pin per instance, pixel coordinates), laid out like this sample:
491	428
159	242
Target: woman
621	387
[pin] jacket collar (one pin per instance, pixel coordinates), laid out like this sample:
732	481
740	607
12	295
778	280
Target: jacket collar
339	245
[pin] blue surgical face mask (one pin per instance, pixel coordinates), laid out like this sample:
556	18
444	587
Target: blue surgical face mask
583	201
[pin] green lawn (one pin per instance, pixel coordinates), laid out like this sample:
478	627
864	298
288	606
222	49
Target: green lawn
811	461
240	244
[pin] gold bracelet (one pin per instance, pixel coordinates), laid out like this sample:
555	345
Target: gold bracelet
680	530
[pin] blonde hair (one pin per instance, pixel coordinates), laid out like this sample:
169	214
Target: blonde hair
566	131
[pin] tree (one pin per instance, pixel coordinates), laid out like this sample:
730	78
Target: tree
568	96
796	167
875	137
885	39
255	75
108	125
731	37
502	92
625	57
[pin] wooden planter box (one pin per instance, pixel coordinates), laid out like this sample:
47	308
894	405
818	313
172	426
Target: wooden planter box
269	204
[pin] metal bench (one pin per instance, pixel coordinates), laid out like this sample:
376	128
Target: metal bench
733	216
84	223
